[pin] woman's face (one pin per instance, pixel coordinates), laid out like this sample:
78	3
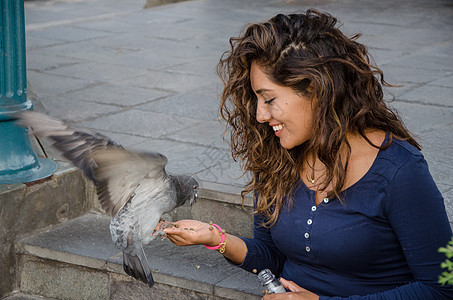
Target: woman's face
289	114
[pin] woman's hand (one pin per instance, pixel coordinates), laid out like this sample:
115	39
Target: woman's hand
192	232
296	292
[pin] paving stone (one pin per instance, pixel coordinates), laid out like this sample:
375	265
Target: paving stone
437	148
113	25
446	81
208	134
53	85
427	60
101	72
381	57
40	42
186	105
171	81
205	66
430	94
228	172
142	123
117	94
40	63
145	59
185	158
84	50
392	94
67	33
55	11
401	74
411	39
213	91
126	41
75	111
368	29
448	197
421	118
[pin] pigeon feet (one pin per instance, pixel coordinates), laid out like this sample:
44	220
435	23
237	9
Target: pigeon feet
160	231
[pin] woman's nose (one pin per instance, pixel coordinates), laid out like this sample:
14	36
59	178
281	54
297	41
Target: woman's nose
262	113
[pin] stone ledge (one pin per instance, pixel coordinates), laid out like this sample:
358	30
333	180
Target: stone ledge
224	193
84	243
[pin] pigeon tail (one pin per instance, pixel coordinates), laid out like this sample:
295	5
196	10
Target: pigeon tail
137	266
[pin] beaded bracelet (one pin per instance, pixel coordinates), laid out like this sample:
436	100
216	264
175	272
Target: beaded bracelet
221	246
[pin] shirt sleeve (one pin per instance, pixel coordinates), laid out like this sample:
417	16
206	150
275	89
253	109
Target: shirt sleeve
262	253
416	212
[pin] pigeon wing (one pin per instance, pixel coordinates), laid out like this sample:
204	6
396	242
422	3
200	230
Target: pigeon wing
75	144
120	172
115	171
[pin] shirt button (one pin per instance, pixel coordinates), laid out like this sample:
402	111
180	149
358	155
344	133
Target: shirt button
309	221
326	200
306	235
313	208
307	249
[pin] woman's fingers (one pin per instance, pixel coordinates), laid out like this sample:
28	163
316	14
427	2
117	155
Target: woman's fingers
290	285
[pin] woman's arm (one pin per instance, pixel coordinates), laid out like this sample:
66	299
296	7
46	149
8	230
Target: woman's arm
416	211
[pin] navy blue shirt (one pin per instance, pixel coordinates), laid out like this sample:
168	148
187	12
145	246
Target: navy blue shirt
381	243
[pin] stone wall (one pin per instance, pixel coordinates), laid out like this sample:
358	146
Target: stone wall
26	208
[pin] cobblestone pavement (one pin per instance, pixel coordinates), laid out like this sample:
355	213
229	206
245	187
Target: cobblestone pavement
146	77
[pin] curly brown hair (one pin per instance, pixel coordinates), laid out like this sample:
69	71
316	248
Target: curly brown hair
308	53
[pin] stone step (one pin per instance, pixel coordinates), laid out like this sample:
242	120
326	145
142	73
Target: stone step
77	260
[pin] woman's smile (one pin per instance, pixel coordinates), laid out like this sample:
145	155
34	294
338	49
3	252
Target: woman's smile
278	128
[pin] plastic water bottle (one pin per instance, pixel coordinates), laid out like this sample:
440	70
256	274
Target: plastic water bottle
269	281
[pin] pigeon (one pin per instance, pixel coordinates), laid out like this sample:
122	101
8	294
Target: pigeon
132	187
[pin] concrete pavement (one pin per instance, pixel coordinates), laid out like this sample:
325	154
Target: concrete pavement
146	77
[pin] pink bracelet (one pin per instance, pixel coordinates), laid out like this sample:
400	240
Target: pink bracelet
222	241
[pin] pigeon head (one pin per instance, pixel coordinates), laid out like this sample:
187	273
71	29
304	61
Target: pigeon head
186	189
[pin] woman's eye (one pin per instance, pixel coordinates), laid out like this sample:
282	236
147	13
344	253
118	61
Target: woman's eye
269	101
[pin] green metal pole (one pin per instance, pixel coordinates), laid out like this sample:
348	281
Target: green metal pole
18	161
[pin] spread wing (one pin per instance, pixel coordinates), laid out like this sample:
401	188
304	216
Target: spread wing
75	144
115	171
120	172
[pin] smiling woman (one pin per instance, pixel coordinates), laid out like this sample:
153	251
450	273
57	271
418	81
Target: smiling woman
345	205
328	95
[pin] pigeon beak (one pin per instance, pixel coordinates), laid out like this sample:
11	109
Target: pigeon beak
195	195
